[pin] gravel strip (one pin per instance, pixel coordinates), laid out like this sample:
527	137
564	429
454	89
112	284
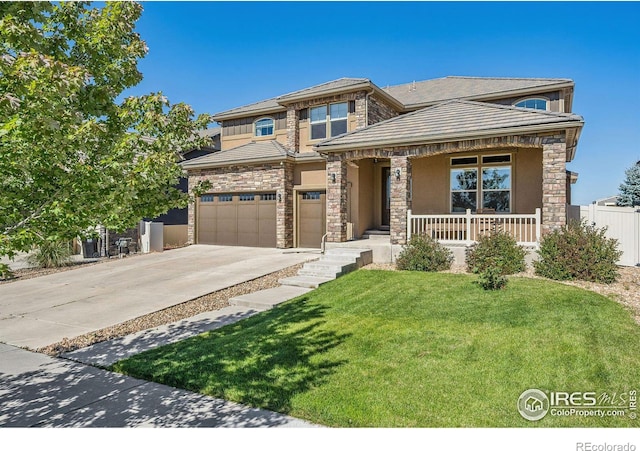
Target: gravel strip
626	290
207	303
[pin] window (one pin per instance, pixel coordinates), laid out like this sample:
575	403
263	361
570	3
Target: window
491	192
268	196
225	198
206	198
328	121
247	197
264	127
311	195
536	104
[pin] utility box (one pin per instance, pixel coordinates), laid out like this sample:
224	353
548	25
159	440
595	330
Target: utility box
151	236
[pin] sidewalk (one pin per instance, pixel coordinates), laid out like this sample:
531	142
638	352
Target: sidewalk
41	391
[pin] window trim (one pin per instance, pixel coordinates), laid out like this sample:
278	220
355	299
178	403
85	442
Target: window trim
255	126
328	121
479	167
524	99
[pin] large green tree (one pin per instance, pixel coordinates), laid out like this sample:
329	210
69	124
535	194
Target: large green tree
630	189
74	152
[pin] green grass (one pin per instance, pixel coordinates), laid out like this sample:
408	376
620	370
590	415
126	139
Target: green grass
407	349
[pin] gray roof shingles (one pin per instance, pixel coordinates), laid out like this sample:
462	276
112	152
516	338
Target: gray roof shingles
253	151
449	119
447	88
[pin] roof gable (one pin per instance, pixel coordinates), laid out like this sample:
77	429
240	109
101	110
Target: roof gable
253	152
454	119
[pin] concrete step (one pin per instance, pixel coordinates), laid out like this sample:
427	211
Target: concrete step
331	265
362	256
266	299
305	281
375	232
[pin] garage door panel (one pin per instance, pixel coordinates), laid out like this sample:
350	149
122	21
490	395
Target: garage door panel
244	220
311	218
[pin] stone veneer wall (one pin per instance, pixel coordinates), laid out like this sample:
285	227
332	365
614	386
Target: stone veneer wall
379	110
400	200
336	199
276	177
554	185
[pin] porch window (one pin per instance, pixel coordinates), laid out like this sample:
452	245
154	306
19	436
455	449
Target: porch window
328	120
486	185
264	127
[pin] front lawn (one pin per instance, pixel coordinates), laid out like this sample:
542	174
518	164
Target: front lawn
406	349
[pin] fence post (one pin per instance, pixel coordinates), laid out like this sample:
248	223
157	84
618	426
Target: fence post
467	218
408	225
538	225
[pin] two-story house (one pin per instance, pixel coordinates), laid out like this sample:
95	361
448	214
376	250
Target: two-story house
449	157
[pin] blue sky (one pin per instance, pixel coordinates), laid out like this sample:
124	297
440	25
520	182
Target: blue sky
217	55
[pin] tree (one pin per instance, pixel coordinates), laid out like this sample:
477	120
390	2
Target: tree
630	189
73	153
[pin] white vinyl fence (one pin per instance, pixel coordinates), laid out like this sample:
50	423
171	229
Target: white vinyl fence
623	224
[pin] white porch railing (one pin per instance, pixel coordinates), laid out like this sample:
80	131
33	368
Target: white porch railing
466	228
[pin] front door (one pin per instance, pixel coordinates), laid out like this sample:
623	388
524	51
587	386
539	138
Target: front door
386	197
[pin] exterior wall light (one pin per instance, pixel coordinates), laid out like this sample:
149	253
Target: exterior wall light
398	174
279	197
333	177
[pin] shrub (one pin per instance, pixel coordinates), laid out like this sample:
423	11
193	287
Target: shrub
578	251
498	250
492	279
423	253
5	272
51	254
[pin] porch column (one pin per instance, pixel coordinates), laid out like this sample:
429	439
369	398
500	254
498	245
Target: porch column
336	199
284	207
554	186
400	198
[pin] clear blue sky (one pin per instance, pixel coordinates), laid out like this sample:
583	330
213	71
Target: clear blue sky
215	56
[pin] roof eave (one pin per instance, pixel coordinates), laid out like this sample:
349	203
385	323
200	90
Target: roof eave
244	161
452	137
226	116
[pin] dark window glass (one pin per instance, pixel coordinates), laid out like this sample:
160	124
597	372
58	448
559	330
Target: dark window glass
338	127
497	200
496	159
536	104
225	198
464	160
206	198
319	131
461	200
247	197
311	195
268	196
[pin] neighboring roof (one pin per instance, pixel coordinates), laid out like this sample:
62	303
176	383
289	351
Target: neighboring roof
253	152
452	120
210	132
428	92
262	107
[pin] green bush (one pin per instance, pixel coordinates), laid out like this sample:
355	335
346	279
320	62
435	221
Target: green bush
51	254
498	250
578	251
423	253
5	272
492	279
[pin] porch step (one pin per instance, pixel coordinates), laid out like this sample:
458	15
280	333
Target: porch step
334	263
376	232
266	299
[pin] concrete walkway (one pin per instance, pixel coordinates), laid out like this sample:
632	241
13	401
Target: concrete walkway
44	310
41	391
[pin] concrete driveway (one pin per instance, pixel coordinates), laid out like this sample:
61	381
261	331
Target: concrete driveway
44	310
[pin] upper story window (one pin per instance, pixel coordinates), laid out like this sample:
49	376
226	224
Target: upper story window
264	127
328	120
536	104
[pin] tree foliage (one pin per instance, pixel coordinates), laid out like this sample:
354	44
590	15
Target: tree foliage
630	189
74	152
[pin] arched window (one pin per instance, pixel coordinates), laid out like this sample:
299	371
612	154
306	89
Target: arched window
536	104
264	127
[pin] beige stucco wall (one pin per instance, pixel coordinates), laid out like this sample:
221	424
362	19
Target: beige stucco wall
365	197
230	142
312	175
431	181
